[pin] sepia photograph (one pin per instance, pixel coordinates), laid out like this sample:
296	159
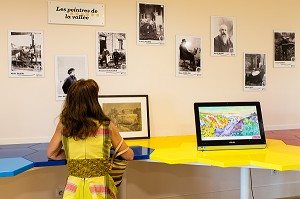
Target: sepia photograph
25	55
69	69
111	53
150	24
188	56
129	113
255	65
223	38
284	49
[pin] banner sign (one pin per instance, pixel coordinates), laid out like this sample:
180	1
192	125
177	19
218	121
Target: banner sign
75	13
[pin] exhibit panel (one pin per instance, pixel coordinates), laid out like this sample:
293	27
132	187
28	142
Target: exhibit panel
263	67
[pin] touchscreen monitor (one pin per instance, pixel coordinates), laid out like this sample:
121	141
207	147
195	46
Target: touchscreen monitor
229	125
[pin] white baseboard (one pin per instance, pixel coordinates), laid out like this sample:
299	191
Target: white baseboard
263	192
281	127
281	190
26	140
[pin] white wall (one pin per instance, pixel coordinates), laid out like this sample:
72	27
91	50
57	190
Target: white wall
29	110
28	106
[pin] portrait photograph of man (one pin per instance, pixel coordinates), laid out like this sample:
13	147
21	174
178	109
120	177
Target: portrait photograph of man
223	39
188	56
255	65
69	69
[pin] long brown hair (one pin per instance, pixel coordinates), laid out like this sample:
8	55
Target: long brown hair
81	110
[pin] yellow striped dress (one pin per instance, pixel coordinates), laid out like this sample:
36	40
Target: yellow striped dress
88	166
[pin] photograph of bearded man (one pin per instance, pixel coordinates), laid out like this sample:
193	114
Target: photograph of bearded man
222	42
223	36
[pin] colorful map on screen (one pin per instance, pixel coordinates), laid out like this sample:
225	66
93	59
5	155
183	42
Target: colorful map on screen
239	122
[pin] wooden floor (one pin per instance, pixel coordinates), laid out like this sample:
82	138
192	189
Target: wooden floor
290	137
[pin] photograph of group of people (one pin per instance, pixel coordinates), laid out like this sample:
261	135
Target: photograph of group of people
284	49
111	53
26	54
150	23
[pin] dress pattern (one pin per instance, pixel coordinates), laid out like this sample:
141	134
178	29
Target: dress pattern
88	166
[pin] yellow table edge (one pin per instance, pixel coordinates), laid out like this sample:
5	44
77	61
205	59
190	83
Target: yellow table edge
183	150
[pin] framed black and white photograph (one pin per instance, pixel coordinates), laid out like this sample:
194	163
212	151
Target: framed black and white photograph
223	36
25	54
188	56
111	53
255	65
284	49
130	113
150	23
69	69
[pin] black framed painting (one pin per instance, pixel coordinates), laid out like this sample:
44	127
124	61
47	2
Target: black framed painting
130	113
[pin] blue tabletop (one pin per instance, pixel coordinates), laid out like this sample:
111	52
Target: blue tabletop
17	158
14	166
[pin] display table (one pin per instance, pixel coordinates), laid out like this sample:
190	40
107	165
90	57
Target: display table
15	159
183	150
18	158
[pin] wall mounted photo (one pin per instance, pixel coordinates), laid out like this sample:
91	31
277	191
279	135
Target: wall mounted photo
188	56
111	53
255	66
223	36
284	49
69	69
25	54
150	24
130	113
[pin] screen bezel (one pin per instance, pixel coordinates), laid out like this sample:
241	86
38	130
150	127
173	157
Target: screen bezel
229	142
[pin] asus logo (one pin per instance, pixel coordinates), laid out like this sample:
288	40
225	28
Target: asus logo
231	142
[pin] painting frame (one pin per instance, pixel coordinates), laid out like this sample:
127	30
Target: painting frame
136	109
